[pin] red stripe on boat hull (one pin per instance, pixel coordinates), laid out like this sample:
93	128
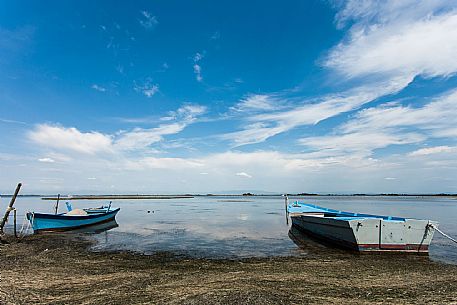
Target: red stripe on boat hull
387	247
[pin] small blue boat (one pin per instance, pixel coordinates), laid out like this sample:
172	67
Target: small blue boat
68	221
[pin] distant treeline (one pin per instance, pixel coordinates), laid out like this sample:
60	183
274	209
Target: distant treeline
378	195
73	197
114	197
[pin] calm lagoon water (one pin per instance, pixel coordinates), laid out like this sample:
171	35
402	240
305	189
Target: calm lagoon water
229	227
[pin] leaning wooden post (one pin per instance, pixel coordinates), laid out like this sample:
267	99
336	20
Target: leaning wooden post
57	204
15	220
9	209
286	202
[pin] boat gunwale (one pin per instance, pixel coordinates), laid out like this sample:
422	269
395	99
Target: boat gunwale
343	213
70	217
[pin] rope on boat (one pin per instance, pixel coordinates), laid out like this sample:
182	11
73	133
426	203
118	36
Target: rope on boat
442	233
22	233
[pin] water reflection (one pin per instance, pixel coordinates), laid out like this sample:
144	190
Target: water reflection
306	242
311	245
97	228
243	227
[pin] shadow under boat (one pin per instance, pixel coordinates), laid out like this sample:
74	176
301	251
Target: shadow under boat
96	228
311	244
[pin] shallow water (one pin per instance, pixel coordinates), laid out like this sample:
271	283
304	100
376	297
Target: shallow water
228	227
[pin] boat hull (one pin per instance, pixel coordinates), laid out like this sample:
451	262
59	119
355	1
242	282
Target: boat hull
61	223
369	234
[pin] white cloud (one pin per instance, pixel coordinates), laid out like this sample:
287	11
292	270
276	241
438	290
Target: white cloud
435	117
433	150
253	102
273	171
149	92
362	142
197	67
390	178
98	88
163	163
71	139
216	36
390	124
148	88
198	56
148	21
140	138
394	38
198	72
46	160
264	126
12	121
63	138
243	174
373	11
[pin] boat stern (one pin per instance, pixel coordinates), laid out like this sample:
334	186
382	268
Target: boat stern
410	235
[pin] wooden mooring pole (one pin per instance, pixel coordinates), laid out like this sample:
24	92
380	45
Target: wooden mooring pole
9	209
286	202
56	207
15	222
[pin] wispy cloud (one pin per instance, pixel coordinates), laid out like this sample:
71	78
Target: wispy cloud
260	127
257	102
138	139
147	20
435	117
98	88
197	67
393	38
362	142
163	163
198	72
216	36
46	160
243	174
12	121
17	39
433	150
148	88
391	124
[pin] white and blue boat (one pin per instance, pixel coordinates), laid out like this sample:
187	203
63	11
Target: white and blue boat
363	232
101	209
75	219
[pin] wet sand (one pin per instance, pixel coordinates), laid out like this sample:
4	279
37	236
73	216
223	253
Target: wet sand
59	269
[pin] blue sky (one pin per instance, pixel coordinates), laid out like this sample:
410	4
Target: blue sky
199	96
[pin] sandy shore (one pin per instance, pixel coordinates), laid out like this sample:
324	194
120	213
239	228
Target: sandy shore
61	270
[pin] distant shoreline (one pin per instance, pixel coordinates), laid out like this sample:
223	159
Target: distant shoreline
115	197
184	196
